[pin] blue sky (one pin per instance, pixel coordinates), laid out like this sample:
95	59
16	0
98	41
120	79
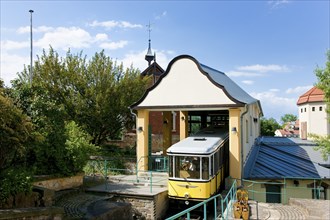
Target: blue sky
269	48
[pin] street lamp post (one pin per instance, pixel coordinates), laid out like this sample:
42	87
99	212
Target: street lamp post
31	42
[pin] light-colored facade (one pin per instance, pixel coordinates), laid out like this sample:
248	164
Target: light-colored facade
284	189
188	87
312	113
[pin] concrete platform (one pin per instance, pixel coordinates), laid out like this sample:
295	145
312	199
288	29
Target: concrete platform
144	185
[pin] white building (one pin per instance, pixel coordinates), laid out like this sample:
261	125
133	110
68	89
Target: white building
312	113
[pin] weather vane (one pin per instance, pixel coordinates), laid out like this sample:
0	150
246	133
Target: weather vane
149	28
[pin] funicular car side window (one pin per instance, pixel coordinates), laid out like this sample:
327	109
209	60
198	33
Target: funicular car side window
205	168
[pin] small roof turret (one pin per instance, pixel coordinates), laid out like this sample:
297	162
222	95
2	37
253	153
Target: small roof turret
149	56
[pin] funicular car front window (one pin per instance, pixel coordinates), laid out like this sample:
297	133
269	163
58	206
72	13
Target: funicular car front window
187	167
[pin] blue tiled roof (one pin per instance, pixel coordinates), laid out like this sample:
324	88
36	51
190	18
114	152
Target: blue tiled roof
277	157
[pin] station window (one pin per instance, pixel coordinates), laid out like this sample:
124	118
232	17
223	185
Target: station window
320	108
301	110
305	109
313	109
319	190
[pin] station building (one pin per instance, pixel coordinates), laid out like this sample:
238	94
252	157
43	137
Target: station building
199	96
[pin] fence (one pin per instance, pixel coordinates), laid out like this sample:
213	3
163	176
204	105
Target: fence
279	191
156	163
225	206
109	168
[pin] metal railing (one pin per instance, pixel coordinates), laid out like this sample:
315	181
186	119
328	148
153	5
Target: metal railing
157	163
105	167
225	206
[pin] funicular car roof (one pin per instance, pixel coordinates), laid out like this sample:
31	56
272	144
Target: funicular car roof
203	142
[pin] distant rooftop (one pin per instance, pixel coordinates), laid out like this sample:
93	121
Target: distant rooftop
313	95
278	157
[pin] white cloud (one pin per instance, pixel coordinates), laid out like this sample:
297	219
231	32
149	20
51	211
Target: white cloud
264	68
298	89
275	104
26	29
10	65
138	61
113	45
248	82
101	37
277	3
64	38
240	73
163	14
113	24
13	45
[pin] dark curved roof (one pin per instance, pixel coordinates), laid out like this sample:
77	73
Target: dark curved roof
231	87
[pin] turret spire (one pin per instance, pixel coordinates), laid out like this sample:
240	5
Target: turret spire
149	56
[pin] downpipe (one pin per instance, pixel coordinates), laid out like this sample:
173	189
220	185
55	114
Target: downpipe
137	160
242	156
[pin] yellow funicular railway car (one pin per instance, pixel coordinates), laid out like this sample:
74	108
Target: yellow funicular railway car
198	165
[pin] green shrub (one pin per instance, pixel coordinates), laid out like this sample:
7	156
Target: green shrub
14	180
78	148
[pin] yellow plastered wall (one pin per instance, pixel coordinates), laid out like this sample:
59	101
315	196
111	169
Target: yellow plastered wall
183	125
167	131
142	139
235	144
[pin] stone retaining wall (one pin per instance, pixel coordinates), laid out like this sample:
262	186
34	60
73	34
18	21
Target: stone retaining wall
54	213
150	208
61	183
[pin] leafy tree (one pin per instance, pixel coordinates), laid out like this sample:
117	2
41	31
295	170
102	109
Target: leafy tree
288	118
79	95
17	137
16	132
323	145
95	94
323	76
268	126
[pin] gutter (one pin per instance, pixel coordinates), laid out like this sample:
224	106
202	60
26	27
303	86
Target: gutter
242	115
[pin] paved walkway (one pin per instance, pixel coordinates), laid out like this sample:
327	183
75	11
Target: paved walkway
272	211
76	204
